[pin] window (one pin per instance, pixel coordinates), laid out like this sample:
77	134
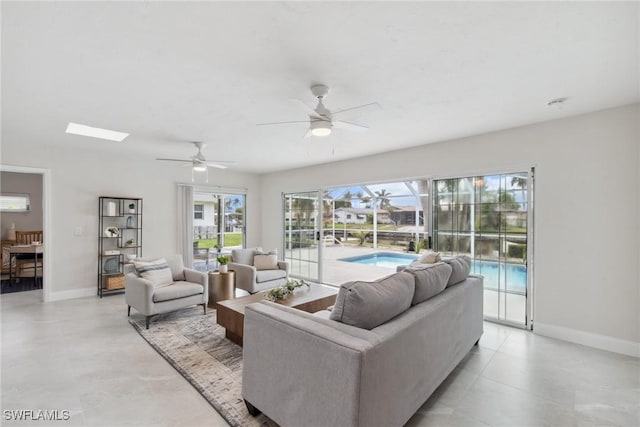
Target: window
13	202
348	216
198	211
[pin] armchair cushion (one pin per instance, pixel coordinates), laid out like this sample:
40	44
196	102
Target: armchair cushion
156	271
244	256
268	275
176	264
176	290
266	261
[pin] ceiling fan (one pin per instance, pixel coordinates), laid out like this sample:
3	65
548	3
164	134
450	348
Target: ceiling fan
321	119
199	162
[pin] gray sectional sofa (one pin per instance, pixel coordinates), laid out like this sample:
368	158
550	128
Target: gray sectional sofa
373	360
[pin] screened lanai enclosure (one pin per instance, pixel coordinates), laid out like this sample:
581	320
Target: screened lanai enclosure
363	232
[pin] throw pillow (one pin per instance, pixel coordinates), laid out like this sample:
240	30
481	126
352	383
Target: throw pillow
370	304
244	256
430	280
266	261
429	257
461	266
156	271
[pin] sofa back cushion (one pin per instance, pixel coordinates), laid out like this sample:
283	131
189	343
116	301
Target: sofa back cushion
370	304
156	271
244	256
430	280
460	266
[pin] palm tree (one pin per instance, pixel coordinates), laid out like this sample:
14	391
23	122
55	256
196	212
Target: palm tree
366	200
235	202
344	201
383	196
326	203
519	181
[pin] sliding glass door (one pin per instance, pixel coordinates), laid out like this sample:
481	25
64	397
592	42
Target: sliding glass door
301	231
488	218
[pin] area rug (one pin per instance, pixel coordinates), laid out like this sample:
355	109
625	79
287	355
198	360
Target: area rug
194	344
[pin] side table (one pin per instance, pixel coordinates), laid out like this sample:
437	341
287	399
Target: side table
222	286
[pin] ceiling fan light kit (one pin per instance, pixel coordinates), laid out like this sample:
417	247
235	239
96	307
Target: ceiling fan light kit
320	128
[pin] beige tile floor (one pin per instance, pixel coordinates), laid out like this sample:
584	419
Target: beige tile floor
82	355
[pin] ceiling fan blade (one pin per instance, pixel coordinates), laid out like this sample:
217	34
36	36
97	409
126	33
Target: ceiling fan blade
220	164
310	111
177	160
372	106
282	123
350	126
308	134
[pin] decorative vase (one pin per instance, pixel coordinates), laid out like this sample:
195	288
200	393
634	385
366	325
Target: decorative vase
223	268
111	209
129	222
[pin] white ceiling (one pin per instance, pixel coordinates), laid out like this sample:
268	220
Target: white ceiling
173	72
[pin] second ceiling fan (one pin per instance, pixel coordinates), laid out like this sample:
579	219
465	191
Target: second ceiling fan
199	162
322	120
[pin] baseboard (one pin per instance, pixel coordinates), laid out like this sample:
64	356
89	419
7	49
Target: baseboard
71	294
602	342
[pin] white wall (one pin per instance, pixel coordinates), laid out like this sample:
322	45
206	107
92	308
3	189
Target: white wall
78	178
24	183
587	229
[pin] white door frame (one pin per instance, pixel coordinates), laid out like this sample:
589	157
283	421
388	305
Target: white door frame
46	222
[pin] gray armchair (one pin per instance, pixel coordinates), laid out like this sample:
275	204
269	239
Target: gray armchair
254	279
190	287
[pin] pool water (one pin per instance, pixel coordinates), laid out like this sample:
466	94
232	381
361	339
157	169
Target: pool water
496	274
382	259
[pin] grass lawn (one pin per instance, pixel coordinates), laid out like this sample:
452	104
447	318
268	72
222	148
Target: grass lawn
230	239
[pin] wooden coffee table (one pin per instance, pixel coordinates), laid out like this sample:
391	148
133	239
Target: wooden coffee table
230	313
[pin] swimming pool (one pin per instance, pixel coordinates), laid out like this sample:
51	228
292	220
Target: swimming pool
382	259
496	274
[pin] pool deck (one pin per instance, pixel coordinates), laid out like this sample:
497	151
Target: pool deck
337	272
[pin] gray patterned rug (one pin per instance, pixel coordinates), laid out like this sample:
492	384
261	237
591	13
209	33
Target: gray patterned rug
194	344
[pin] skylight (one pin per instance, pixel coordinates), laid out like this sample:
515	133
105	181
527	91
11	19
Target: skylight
85	130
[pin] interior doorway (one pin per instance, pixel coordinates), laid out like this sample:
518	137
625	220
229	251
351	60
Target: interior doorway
23	226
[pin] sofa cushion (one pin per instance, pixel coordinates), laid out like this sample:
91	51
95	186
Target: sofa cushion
430	280
461	266
268	275
244	256
266	261
176	290
370	304
156	271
